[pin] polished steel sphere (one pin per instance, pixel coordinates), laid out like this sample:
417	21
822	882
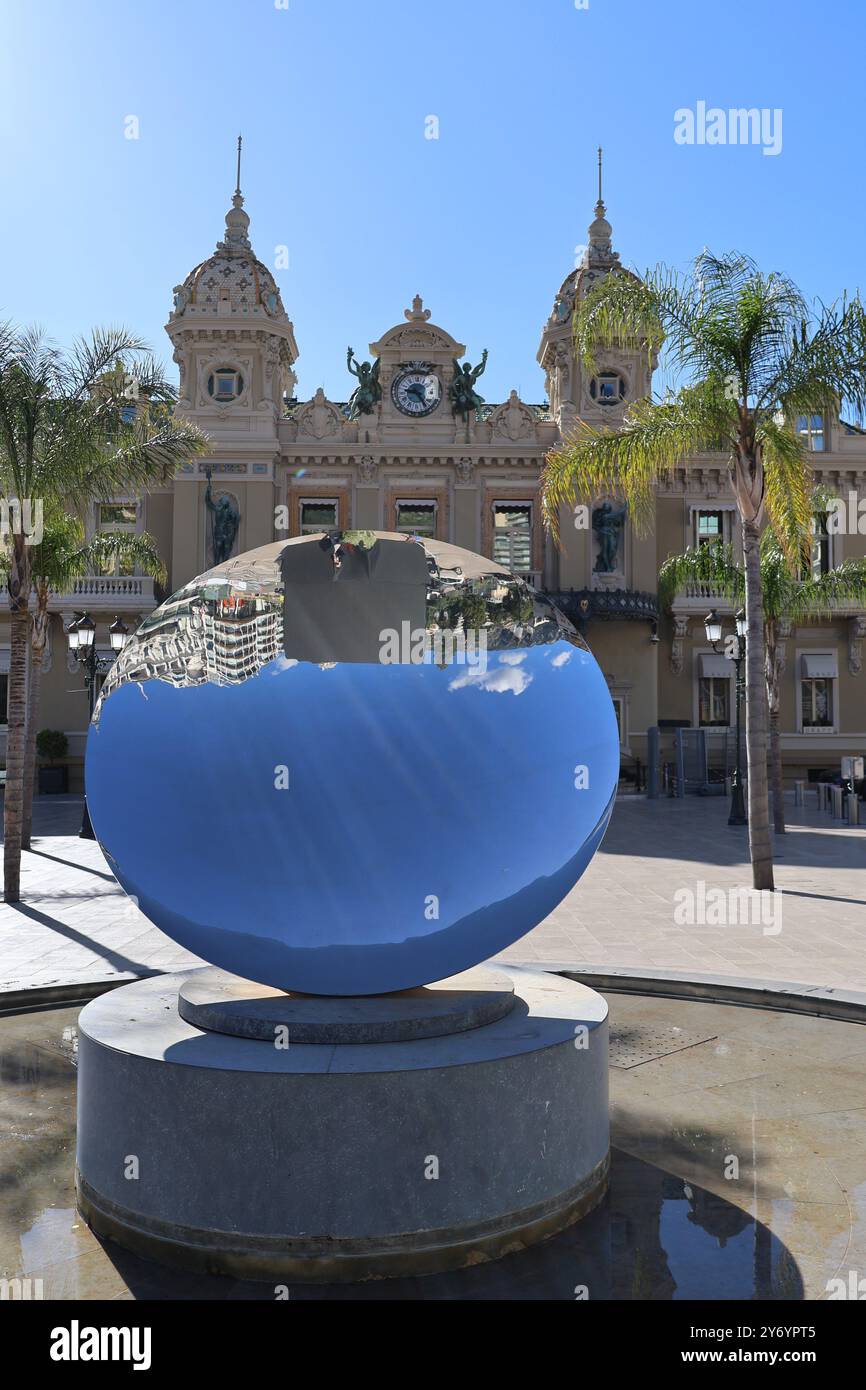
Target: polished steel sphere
352	763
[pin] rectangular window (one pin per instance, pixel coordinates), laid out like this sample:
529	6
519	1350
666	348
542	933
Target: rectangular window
820	546
117	517
714	695
709	527
318	516
416	519
811	430
512	535
817	702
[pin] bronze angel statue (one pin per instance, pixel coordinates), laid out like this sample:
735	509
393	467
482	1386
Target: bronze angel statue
461	392
368	392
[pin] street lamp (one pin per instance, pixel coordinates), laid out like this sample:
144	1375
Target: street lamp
118	633
737	654
81	636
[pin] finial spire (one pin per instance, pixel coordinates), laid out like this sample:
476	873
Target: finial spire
600	249
599	207
237	221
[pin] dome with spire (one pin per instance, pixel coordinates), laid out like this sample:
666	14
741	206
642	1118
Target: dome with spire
598	260
233	280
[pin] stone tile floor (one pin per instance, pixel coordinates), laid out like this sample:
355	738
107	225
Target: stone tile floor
738	1171
76	925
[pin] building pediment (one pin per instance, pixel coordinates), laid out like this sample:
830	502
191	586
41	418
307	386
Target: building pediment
417	338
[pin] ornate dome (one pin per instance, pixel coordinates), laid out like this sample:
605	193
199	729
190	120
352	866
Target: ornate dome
599	259
232	280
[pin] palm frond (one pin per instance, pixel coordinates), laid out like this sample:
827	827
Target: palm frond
713	564
653	441
823	594
117	546
824	365
91	358
788	489
135	463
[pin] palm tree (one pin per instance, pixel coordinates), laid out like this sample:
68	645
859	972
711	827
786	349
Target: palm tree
61	556
76	426
788	596
751	356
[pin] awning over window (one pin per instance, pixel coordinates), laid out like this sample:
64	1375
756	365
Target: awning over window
820	665
712	664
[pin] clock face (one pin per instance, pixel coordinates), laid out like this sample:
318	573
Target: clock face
416	390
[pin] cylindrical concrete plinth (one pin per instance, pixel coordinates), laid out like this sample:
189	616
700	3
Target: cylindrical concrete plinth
339	1161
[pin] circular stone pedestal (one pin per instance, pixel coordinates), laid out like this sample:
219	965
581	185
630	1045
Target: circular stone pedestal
223	1003
293	1146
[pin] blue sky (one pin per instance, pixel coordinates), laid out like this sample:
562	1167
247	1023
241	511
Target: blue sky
332	98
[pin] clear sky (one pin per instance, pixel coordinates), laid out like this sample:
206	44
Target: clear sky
333	96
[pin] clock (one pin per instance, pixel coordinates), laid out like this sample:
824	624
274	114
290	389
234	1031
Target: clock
416	389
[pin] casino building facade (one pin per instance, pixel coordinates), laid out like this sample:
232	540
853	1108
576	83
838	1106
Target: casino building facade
398	456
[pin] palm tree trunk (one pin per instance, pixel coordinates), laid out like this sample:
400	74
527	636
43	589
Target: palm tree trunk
776	773
774	758
756	714
37	655
19	593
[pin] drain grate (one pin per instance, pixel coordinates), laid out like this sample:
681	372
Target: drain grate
630	1047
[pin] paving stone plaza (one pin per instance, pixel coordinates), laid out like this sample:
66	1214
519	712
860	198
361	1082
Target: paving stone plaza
75	926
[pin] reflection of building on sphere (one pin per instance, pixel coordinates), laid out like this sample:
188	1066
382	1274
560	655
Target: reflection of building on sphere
390	689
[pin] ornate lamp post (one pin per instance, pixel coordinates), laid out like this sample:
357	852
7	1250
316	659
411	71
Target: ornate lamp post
737	654
81	636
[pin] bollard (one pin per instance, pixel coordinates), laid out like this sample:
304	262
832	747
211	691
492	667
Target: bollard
838	813
652	755
853	808
799	793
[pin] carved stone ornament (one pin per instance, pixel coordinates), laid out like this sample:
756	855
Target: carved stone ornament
783	632
319	417
368	469
465	469
513	420
418	337
417	314
856	633
681	632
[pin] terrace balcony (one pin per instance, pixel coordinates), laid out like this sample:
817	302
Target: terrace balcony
104	593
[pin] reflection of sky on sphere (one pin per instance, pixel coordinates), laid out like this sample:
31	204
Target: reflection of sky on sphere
406	782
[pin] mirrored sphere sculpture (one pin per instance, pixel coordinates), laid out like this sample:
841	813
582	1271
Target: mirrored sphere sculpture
352	763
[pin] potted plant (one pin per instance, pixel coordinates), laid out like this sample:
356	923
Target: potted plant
52	744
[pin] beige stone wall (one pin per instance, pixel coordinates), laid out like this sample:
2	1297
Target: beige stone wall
158	521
